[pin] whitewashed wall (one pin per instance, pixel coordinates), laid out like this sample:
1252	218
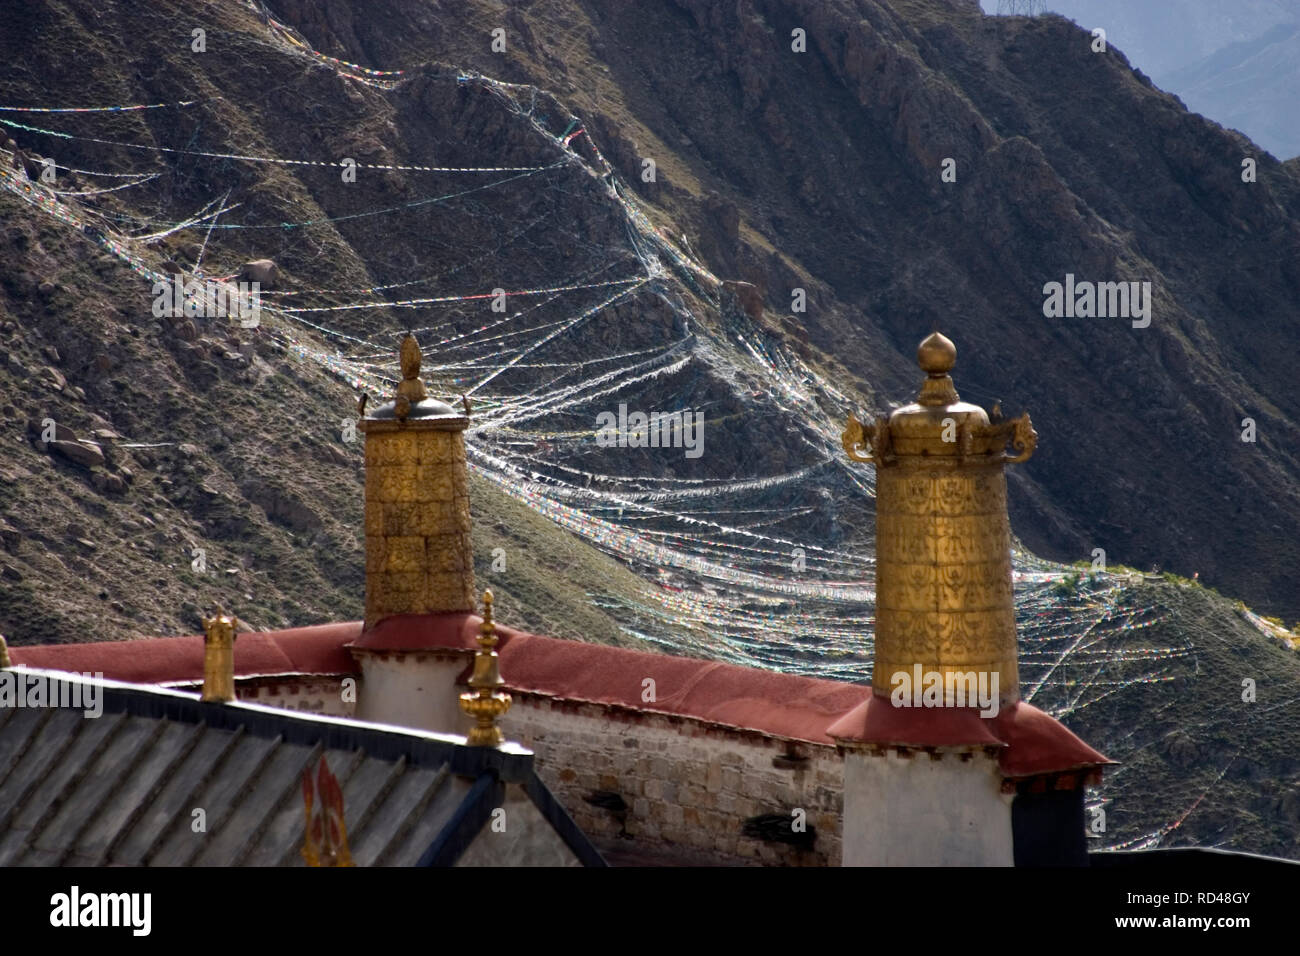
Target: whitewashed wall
412	690
923	810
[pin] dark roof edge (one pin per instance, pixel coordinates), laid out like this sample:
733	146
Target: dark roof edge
510	762
563	824
466	823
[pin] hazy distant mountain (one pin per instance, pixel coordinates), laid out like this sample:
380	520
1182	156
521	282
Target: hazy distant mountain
1251	86
1237	63
1163	36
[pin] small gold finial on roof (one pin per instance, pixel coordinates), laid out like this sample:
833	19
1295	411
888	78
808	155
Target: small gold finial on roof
411	388
219	658
4	654
936	354
486	703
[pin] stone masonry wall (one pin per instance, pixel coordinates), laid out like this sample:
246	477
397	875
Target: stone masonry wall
687	785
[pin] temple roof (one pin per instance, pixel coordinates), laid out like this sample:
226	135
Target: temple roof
121	788
780	705
298	651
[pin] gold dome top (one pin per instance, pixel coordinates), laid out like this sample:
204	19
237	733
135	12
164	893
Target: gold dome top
411	388
936	354
939	426
411	401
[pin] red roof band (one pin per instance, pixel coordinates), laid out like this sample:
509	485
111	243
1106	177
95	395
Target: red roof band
1029	741
179	660
811	709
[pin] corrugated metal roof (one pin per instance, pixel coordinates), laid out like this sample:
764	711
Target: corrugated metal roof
122	788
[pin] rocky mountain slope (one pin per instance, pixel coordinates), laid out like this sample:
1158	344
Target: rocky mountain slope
523	171
822	171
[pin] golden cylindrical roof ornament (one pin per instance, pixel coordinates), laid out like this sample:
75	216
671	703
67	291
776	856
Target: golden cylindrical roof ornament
219	658
419	558
943	541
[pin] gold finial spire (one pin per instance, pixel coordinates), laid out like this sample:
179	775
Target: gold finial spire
486	703
411	388
219	658
937	355
4	654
